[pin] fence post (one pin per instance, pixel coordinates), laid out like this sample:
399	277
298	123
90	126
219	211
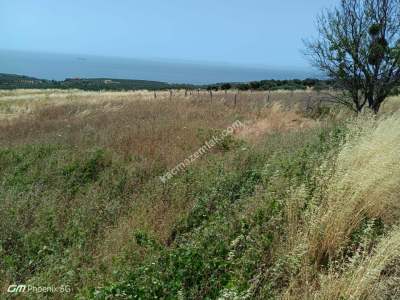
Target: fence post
235	99
267	98
309	104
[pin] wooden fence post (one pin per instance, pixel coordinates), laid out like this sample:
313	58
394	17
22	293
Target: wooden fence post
309	104
267	98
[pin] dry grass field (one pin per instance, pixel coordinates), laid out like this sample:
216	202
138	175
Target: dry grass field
301	203
135	123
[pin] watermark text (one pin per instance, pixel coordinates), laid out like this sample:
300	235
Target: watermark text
27	288
215	140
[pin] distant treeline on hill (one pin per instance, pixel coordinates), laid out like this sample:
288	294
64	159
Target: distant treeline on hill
271	85
11	81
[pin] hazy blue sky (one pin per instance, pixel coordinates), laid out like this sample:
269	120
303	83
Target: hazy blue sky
253	32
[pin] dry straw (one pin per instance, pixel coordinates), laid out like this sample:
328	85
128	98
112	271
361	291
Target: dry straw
361	184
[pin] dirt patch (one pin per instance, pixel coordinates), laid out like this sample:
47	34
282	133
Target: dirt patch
276	120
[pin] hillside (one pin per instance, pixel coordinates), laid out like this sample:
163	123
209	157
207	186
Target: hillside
294	204
11	81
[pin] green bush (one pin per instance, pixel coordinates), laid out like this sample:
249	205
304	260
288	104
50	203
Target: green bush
55	201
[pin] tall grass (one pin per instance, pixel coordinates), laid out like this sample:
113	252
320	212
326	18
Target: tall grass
366	279
79	176
289	208
340	234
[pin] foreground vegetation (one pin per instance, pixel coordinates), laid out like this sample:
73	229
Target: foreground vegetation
302	203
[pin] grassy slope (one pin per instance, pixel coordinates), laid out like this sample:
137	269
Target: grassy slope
279	219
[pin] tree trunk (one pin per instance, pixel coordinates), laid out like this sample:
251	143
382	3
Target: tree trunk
376	106
356	101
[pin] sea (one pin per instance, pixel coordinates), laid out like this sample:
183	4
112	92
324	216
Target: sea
61	66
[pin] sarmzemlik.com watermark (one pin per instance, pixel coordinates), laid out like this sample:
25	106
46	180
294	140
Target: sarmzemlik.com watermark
215	140
27	288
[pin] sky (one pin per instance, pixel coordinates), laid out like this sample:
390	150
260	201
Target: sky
251	32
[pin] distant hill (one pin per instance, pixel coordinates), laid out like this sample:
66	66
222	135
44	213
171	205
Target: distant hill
113	84
12	81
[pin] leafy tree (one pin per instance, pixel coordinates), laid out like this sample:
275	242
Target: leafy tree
359	48
243	87
255	85
226	86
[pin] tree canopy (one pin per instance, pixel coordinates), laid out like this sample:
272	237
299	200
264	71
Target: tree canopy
359	48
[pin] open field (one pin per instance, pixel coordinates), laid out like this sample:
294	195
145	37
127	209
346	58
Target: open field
300	201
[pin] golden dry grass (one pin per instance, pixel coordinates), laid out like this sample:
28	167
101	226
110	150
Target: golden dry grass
136	123
362	281
390	105
365	185
360	185
275	119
